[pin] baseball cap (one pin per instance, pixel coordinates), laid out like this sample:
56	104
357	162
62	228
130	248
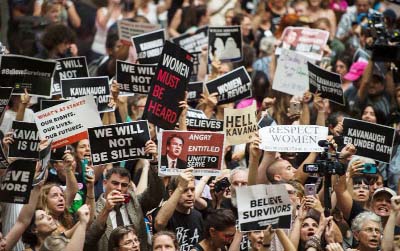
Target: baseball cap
356	70
384	190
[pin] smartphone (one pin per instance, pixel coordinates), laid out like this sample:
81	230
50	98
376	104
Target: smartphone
127	198
310	189
370	168
295	108
84	162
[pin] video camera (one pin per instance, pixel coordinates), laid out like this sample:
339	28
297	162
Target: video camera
385	45
329	163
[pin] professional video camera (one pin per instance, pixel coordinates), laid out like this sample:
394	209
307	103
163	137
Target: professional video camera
328	164
385	46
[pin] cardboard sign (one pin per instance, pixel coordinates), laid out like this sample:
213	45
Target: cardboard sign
134	78
26	141
240	124
263	205
373	141
47	103
119	142
325	82
201	150
3	159
196	64
195	89
193	42
16	184
305	41
292	138
66	123
22	72
168	87
232	86
5	95
149	46
96	86
225	43
128	29
291	74
73	67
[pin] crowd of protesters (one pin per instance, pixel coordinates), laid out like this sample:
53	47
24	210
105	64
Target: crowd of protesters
128	206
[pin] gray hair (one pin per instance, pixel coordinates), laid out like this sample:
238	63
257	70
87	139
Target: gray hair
236	170
361	218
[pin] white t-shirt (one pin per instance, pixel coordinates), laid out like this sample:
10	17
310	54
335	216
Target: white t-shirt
10	116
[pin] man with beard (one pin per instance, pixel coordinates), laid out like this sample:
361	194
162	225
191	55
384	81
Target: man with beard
367	230
178	214
174	150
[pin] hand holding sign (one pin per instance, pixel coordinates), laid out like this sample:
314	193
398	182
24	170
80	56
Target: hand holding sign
184	178
8	140
348	151
151	148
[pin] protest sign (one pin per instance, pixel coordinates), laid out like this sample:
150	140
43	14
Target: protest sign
119	142
192	42
263	205
26	141
128	29
168	87
47	103
16	184
66	123
196	120
225	43
3	159
195	89
134	77
232	86
22	72
291	74
73	67
196	64
292	138
5	95
96	86
201	150
325	82
371	140
149	46
240	124
305	41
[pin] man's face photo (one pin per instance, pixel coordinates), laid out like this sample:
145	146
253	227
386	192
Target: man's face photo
174	149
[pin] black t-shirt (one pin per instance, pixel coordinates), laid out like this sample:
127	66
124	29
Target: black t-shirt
188	228
356	209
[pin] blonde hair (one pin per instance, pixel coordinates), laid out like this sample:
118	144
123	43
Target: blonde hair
54	243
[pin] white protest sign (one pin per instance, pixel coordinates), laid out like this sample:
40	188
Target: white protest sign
66	123
292	138
291	74
240	124
263	205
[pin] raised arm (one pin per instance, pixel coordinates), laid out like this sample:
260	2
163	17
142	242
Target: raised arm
78	238
255	154
71	182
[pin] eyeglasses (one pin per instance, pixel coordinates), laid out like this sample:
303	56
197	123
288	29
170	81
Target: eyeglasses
116	183
370	230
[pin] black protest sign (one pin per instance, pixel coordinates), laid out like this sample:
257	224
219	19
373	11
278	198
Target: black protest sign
26	141
196	64
263	205
96	86
16	184
168	87
22	72
47	103
195	89
5	95
149	46
134	78
225	43
325	82
371	140
193	42
201	124
232	86
74	67
119	142
3	159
